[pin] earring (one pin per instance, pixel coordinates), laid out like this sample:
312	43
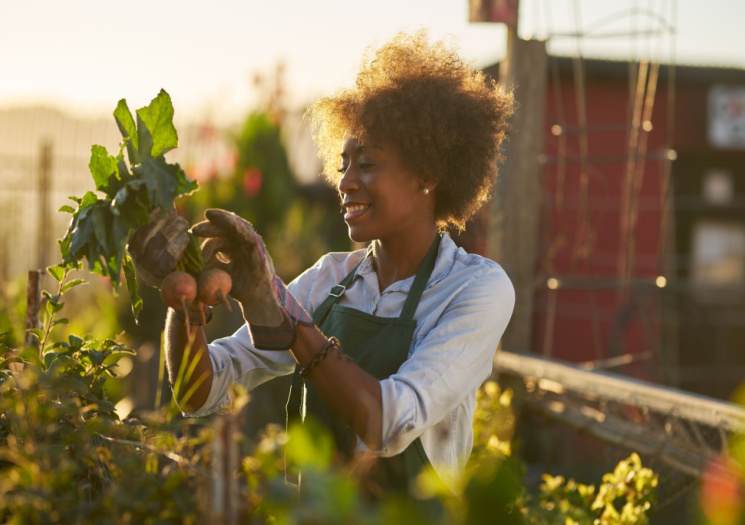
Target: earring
426	191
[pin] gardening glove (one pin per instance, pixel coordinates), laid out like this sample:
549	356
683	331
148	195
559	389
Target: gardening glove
270	310
155	247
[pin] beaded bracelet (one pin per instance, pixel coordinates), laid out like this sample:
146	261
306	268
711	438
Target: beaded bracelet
332	343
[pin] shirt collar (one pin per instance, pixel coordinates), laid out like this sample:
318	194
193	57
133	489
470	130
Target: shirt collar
443	265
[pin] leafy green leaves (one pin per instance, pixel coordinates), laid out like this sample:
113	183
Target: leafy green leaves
129	275
126	125
58	272
100	226
158	123
102	167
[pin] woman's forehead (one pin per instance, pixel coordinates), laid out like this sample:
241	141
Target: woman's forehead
353	145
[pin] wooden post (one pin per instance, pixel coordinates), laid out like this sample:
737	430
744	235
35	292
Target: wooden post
45	166
225	465
33	305
515	207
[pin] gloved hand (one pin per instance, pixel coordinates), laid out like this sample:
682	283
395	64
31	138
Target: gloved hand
270	310
155	247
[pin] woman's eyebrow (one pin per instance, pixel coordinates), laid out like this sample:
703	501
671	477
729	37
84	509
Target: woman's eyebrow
357	149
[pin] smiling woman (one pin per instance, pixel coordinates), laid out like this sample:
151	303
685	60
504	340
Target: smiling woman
445	118
387	345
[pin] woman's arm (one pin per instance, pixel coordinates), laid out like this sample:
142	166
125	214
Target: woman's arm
353	394
188	363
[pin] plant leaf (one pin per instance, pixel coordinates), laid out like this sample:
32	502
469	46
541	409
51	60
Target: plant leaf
49	357
164	182
126	125
158	118
146	139
54	307
88	199
129	275
102	166
58	272
49	296
38	332
72	283
124	175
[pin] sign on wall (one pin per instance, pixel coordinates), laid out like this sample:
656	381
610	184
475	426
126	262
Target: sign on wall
504	11
727	117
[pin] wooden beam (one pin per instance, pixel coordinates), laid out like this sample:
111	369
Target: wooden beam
515	206
614	387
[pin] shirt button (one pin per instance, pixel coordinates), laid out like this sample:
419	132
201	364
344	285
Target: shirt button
408	428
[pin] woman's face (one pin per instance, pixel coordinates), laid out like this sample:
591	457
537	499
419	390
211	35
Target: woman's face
381	198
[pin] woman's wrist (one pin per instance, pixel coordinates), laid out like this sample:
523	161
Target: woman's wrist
331	344
308	342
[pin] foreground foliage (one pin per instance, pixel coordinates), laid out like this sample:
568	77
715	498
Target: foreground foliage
66	457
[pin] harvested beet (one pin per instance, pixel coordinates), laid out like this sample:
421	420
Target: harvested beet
178	289
214	285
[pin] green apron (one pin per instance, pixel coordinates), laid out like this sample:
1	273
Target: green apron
378	345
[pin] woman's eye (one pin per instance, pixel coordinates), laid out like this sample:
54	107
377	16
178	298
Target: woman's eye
366	165
342	170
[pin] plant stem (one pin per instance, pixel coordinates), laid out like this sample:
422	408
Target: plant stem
50	321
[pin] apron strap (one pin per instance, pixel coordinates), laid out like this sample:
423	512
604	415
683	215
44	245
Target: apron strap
296	399
320	313
420	281
412	300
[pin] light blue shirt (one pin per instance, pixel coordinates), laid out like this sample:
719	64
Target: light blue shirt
461	317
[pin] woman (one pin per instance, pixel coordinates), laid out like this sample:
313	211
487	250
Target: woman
393	341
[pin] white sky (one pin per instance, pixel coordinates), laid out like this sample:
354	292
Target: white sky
84	55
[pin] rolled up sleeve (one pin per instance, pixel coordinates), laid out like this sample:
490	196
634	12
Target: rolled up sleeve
235	360
448	362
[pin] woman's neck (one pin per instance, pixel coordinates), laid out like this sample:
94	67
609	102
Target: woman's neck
395	261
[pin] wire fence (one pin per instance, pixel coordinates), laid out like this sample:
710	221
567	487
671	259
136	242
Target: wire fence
44	156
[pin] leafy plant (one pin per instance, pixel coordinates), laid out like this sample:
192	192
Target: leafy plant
493	421
624	497
132	193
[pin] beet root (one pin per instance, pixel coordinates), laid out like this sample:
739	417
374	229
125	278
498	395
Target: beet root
214	286
178	291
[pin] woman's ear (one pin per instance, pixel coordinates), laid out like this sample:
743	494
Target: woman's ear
428	186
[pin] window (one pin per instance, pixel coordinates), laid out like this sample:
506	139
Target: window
717	259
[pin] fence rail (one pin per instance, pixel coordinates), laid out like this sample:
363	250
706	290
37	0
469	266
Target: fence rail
681	429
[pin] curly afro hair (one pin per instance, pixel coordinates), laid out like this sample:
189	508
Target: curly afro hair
446	119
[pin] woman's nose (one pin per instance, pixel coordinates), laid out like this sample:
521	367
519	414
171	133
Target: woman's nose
349	181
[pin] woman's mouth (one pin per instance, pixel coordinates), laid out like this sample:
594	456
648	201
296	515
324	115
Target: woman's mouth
355	210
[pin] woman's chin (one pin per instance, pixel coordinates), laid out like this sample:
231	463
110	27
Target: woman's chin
357	235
